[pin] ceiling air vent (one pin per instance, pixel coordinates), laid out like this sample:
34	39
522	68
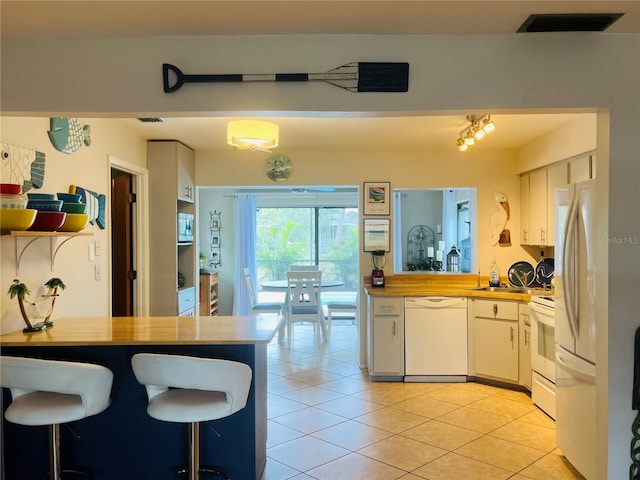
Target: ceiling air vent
151	120
569	22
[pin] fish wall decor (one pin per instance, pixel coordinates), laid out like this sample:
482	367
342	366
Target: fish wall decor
67	135
96	204
22	166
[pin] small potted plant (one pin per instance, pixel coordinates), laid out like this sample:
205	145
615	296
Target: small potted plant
39	309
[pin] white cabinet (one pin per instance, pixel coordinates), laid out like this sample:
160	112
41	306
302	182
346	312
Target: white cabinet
537	204
385	345
557	176
581	169
524	352
168	197
496	339
185	166
187	302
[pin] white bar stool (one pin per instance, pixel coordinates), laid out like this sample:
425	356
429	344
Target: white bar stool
192	390
51	392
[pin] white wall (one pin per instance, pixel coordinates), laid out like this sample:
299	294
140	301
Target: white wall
598	72
88	168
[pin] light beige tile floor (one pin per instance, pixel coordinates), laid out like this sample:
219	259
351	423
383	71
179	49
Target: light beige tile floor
327	420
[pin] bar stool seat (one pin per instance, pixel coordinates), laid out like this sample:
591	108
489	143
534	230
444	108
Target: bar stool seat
192	390
51	392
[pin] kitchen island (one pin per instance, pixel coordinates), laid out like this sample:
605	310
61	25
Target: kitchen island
123	442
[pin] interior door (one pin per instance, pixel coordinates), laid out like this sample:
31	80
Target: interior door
122	273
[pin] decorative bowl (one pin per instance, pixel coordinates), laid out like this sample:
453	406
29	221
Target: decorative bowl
13	201
45	205
74	222
48	221
10	188
74	207
69	197
41	196
16	219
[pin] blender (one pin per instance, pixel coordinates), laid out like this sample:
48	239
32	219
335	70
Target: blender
377	274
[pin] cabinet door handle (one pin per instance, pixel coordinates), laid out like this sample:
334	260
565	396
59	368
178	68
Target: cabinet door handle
393	331
524	235
495	309
543	236
526	337
511	333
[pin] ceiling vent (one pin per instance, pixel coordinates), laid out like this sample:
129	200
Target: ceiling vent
569	22
151	120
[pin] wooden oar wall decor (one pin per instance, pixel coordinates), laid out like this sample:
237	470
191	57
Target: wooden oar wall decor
355	77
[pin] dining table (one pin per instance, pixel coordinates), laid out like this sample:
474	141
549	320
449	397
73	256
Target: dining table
283	285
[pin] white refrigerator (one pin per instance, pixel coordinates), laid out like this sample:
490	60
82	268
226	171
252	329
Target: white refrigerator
575	329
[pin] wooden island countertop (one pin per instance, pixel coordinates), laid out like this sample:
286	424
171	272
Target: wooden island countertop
87	331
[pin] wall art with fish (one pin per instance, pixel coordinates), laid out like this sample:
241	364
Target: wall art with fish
22	166
67	135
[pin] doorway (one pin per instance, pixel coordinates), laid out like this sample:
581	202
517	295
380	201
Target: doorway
129	225
123	273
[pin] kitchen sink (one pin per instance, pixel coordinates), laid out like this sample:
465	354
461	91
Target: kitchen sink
505	289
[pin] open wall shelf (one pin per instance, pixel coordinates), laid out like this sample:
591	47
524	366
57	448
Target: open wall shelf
32	237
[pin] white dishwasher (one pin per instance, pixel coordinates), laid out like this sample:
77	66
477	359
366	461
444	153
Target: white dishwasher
435	339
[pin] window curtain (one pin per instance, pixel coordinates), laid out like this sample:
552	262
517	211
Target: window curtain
398	240
245	236
449	223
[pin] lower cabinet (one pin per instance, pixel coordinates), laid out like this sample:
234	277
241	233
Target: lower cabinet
187	302
496	339
524	354
385	342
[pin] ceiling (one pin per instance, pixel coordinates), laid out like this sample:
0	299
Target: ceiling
21	18
292	17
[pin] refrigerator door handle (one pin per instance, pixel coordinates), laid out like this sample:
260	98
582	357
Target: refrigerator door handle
586	375
569	265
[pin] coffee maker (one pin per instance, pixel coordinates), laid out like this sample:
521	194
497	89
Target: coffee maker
377	274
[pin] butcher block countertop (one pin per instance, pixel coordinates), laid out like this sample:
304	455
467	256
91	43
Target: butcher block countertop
89	331
441	284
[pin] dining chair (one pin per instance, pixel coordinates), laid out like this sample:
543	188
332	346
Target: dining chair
256	306
304	301
342	311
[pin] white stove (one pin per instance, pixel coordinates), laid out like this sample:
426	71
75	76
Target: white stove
543	366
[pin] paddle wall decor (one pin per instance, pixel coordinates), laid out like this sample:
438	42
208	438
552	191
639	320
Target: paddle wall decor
22	166
355	77
67	135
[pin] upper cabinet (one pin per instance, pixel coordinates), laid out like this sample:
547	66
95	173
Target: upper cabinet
537	198
174	272
186	173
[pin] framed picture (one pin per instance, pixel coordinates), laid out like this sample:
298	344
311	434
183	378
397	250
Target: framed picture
215	241
377	198
376	234
215	224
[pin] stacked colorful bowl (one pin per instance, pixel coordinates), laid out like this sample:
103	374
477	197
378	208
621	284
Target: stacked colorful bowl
77	218
14	216
49	217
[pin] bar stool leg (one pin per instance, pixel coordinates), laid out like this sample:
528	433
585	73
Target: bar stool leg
55	470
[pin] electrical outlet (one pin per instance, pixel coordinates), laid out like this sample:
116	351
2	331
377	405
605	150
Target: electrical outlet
92	253
97	272
98	249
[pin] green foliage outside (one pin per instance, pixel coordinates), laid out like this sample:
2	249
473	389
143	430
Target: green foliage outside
286	236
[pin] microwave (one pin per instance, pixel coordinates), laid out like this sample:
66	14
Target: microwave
185	227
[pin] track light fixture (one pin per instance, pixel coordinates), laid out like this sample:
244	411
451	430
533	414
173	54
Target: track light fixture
478	128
